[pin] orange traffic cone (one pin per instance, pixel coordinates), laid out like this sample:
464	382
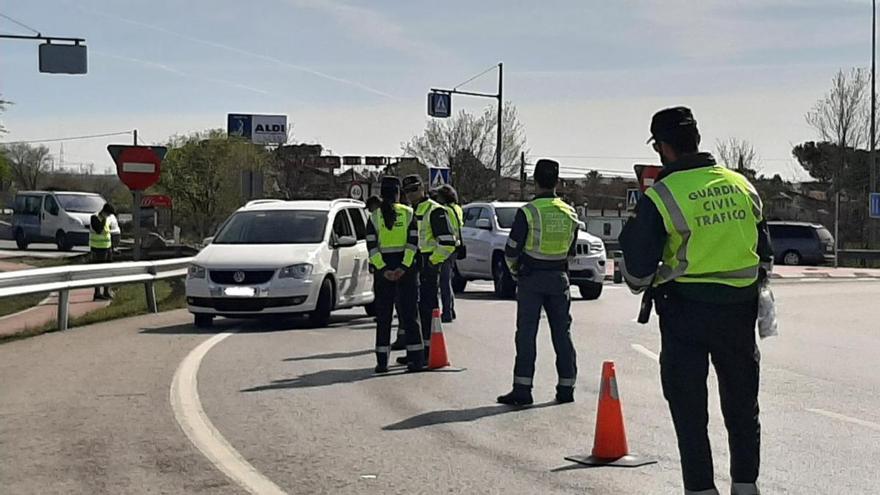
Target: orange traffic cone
609	444
438	357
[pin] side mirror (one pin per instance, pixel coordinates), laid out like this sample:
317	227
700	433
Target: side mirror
346	241
484	224
207	240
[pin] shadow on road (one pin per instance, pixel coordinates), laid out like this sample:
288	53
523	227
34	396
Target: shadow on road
267	324
481	296
332	355
459	416
324	378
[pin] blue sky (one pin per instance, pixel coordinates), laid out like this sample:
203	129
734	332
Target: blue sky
586	75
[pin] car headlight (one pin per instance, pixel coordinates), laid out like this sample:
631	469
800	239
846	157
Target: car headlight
196	271
298	271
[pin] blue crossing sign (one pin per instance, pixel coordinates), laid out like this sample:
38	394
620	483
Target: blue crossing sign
874	205
632	198
438	177
439	104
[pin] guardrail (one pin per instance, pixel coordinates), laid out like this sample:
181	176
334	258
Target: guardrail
64	279
859	254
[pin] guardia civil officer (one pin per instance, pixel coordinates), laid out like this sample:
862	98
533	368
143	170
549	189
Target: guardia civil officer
392	238
436	245
448	197
699	245
543	237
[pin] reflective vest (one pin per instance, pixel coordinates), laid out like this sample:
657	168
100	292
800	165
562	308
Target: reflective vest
428	242
101	240
456	219
710	214
552	225
393	240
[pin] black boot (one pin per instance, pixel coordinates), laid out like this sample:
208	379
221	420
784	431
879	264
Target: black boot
519	396
564	395
402	360
381	362
398	345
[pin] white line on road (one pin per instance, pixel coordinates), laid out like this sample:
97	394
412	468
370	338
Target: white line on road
645	351
848	419
201	432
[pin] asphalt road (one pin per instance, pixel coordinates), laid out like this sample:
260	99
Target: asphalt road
298	410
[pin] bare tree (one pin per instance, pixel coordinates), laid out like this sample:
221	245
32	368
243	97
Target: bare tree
3	105
738	154
839	116
28	164
443	139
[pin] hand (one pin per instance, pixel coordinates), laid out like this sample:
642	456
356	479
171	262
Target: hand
389	275
399	273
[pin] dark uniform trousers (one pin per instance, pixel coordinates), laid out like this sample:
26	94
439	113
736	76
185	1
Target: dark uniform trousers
691	332
550	290
405	291
429	299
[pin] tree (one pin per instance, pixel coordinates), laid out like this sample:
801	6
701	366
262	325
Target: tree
443	139
28	164
472	179
3	105
738	154
839	116
202	172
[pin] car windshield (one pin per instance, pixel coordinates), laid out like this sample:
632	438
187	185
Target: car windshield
505	216
80	203
273	227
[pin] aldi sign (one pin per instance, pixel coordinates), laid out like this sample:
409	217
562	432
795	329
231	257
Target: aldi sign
258	129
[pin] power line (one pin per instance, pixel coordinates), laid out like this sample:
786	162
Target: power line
641	158
20	23
490	69
72	138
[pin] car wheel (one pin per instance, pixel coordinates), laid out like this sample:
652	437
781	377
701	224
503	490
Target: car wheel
505	285
203	320
320	317
459	283
62	242
791	258
591	291
20	239
370	309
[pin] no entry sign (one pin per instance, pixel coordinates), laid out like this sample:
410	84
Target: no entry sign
138	167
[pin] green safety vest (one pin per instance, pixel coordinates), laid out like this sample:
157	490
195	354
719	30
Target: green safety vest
710	214
428	242
393	240
101	240
552	225
456	218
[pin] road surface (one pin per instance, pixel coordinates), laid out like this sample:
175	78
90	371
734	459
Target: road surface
284	408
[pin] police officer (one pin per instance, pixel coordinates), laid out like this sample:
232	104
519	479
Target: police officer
448	197
392	238
436	245
543	237
101	245
699	245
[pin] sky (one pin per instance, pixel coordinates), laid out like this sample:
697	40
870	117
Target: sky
585	75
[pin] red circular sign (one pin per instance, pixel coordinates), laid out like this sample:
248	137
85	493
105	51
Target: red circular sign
138	167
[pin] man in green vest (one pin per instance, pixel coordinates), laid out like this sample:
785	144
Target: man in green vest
448	197
436	245
101	244
541	240
699	246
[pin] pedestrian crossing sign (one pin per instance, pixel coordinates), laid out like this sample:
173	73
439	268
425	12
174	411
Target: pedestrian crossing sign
439	104
632	198
438	177
874	205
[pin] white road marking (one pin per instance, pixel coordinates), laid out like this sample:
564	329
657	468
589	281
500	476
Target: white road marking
848	419
645	351
201	432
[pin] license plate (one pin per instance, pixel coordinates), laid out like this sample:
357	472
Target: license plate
239	291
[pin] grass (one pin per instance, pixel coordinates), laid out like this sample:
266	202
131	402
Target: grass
50	262
129	300
10	305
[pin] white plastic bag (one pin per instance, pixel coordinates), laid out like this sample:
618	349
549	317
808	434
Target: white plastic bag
767	324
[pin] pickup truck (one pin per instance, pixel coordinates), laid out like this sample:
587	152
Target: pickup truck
484	232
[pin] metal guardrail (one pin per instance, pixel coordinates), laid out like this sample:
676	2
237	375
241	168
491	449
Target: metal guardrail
64	279
859	254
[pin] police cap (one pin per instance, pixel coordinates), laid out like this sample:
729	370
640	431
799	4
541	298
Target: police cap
390	184
546	171
670	121
412	183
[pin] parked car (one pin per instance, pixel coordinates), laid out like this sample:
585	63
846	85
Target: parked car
485	230
801	243
61	217
274	257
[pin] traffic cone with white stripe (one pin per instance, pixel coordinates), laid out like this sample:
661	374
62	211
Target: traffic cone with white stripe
438	357
609	445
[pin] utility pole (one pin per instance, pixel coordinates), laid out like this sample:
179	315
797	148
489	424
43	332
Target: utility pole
136	212
522	175
873	160
499	139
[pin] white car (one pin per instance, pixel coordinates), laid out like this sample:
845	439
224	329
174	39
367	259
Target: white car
485	230
275	257
61	217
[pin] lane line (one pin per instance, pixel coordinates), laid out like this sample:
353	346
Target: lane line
847	419
645	352
191	418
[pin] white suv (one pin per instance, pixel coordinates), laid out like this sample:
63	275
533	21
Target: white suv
485	230
274	257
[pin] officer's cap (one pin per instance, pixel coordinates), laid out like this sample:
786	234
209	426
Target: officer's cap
546	171
670	121
390	184
412	183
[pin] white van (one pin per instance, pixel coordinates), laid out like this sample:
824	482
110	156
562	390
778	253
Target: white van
61	217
